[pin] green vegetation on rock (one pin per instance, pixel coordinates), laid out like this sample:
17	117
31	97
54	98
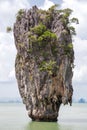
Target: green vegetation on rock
20	14
39	29
72	30
53	8
74	20
68	48
67	12
47	66
67	21
41	35
9	29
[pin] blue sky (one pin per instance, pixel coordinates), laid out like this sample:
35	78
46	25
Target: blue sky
8	10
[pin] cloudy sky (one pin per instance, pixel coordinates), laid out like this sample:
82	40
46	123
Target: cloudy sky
8	10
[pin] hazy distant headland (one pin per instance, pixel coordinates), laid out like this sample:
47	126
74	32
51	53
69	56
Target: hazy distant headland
10	100
18	100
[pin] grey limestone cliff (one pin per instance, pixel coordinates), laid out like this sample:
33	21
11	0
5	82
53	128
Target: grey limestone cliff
44	61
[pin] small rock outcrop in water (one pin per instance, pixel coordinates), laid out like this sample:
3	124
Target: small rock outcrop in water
44	61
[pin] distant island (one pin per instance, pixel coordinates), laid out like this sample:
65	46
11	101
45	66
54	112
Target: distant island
18	100
10	100
82	100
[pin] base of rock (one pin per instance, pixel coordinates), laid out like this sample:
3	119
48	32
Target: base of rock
44	118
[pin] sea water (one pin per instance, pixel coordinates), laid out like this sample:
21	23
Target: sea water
13	116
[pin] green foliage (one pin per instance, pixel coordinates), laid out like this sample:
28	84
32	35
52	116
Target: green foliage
40	39
48	15
39	29
45	54
72	30
48	18
64	20
9	29
65	16
32	39
67	22
21	45
53	8
29	50
54	49
49	12
67	12
74	20
41	35
47	66
47	36
20	14
21	11
68	48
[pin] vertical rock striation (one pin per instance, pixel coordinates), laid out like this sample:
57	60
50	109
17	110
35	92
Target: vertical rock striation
44	61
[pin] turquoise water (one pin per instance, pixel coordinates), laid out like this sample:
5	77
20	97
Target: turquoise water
14	117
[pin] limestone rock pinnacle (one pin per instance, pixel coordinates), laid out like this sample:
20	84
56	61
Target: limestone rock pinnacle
44	61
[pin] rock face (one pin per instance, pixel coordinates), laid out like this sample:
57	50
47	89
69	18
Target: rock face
44	61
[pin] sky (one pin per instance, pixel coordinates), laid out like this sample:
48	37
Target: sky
8	11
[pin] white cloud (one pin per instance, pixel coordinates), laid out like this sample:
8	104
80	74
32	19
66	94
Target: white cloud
80	11
8	10
47	4
11	75
7	55
80	72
